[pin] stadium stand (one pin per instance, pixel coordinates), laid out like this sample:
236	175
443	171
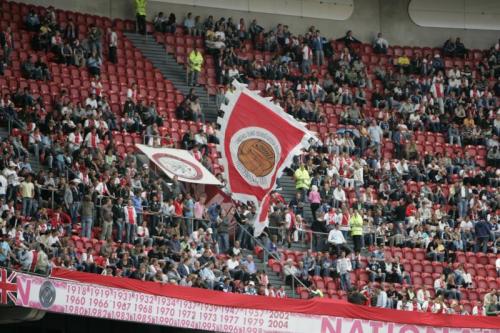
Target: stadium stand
398	200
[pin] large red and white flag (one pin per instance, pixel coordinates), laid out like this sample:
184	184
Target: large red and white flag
257	142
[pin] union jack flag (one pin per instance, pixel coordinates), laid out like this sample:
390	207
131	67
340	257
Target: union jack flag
8	286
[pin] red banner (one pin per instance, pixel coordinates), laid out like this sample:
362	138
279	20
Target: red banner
377	319
259	141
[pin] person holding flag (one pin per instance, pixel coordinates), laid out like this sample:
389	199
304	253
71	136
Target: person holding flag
259	141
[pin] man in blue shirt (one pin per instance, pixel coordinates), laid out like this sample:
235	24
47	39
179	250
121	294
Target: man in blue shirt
189	212
137	203
5	252
317	46
483	232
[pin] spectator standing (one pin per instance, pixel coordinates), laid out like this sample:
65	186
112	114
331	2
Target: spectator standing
113	44
94	40
306	59
302	180
7	43
119	218
87	216
107	219
483	232
314	200
27	189
195	60
140	13
317	44
130	221
356	223
344	269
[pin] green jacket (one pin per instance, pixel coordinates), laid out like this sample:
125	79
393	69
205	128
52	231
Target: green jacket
356	223
195	61
302	179
140	7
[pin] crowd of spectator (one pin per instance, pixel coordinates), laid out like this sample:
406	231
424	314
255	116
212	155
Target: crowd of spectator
437	201
98	210
94	208
67	44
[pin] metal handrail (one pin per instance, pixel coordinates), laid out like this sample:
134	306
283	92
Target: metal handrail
258	242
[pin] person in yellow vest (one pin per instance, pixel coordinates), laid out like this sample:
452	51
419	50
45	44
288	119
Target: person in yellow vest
195	62
140	12
356	223
302	180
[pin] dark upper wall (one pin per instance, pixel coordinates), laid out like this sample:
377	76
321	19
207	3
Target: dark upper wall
370	16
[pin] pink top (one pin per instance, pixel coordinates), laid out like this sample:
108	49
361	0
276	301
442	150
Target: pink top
198	210
314	197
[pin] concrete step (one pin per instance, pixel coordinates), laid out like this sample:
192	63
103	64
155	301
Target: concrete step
174	72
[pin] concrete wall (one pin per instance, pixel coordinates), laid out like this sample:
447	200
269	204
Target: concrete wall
370	16
396	24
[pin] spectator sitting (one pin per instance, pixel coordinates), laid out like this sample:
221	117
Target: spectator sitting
348	39
159	22
32	21
30	71
380	45
449	48
376	270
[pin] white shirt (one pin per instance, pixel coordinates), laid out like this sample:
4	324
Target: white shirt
336	237
11	175
88	140
306	52
91	102
3	186
232	264
344	265
382	299
288	220
382	42
339	194
113	39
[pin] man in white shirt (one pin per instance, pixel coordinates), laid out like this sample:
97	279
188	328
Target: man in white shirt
344	269
306	59
382	299
497	263
92	139
208	275
440	285
3	186
10	172
337	241
338	196
376	135
92	101
380	44
113	43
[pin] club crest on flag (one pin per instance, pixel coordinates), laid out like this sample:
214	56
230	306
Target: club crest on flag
258	140
256	152
178	166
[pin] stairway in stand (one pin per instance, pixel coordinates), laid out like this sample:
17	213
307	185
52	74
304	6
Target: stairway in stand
172	71
274	279
288	192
